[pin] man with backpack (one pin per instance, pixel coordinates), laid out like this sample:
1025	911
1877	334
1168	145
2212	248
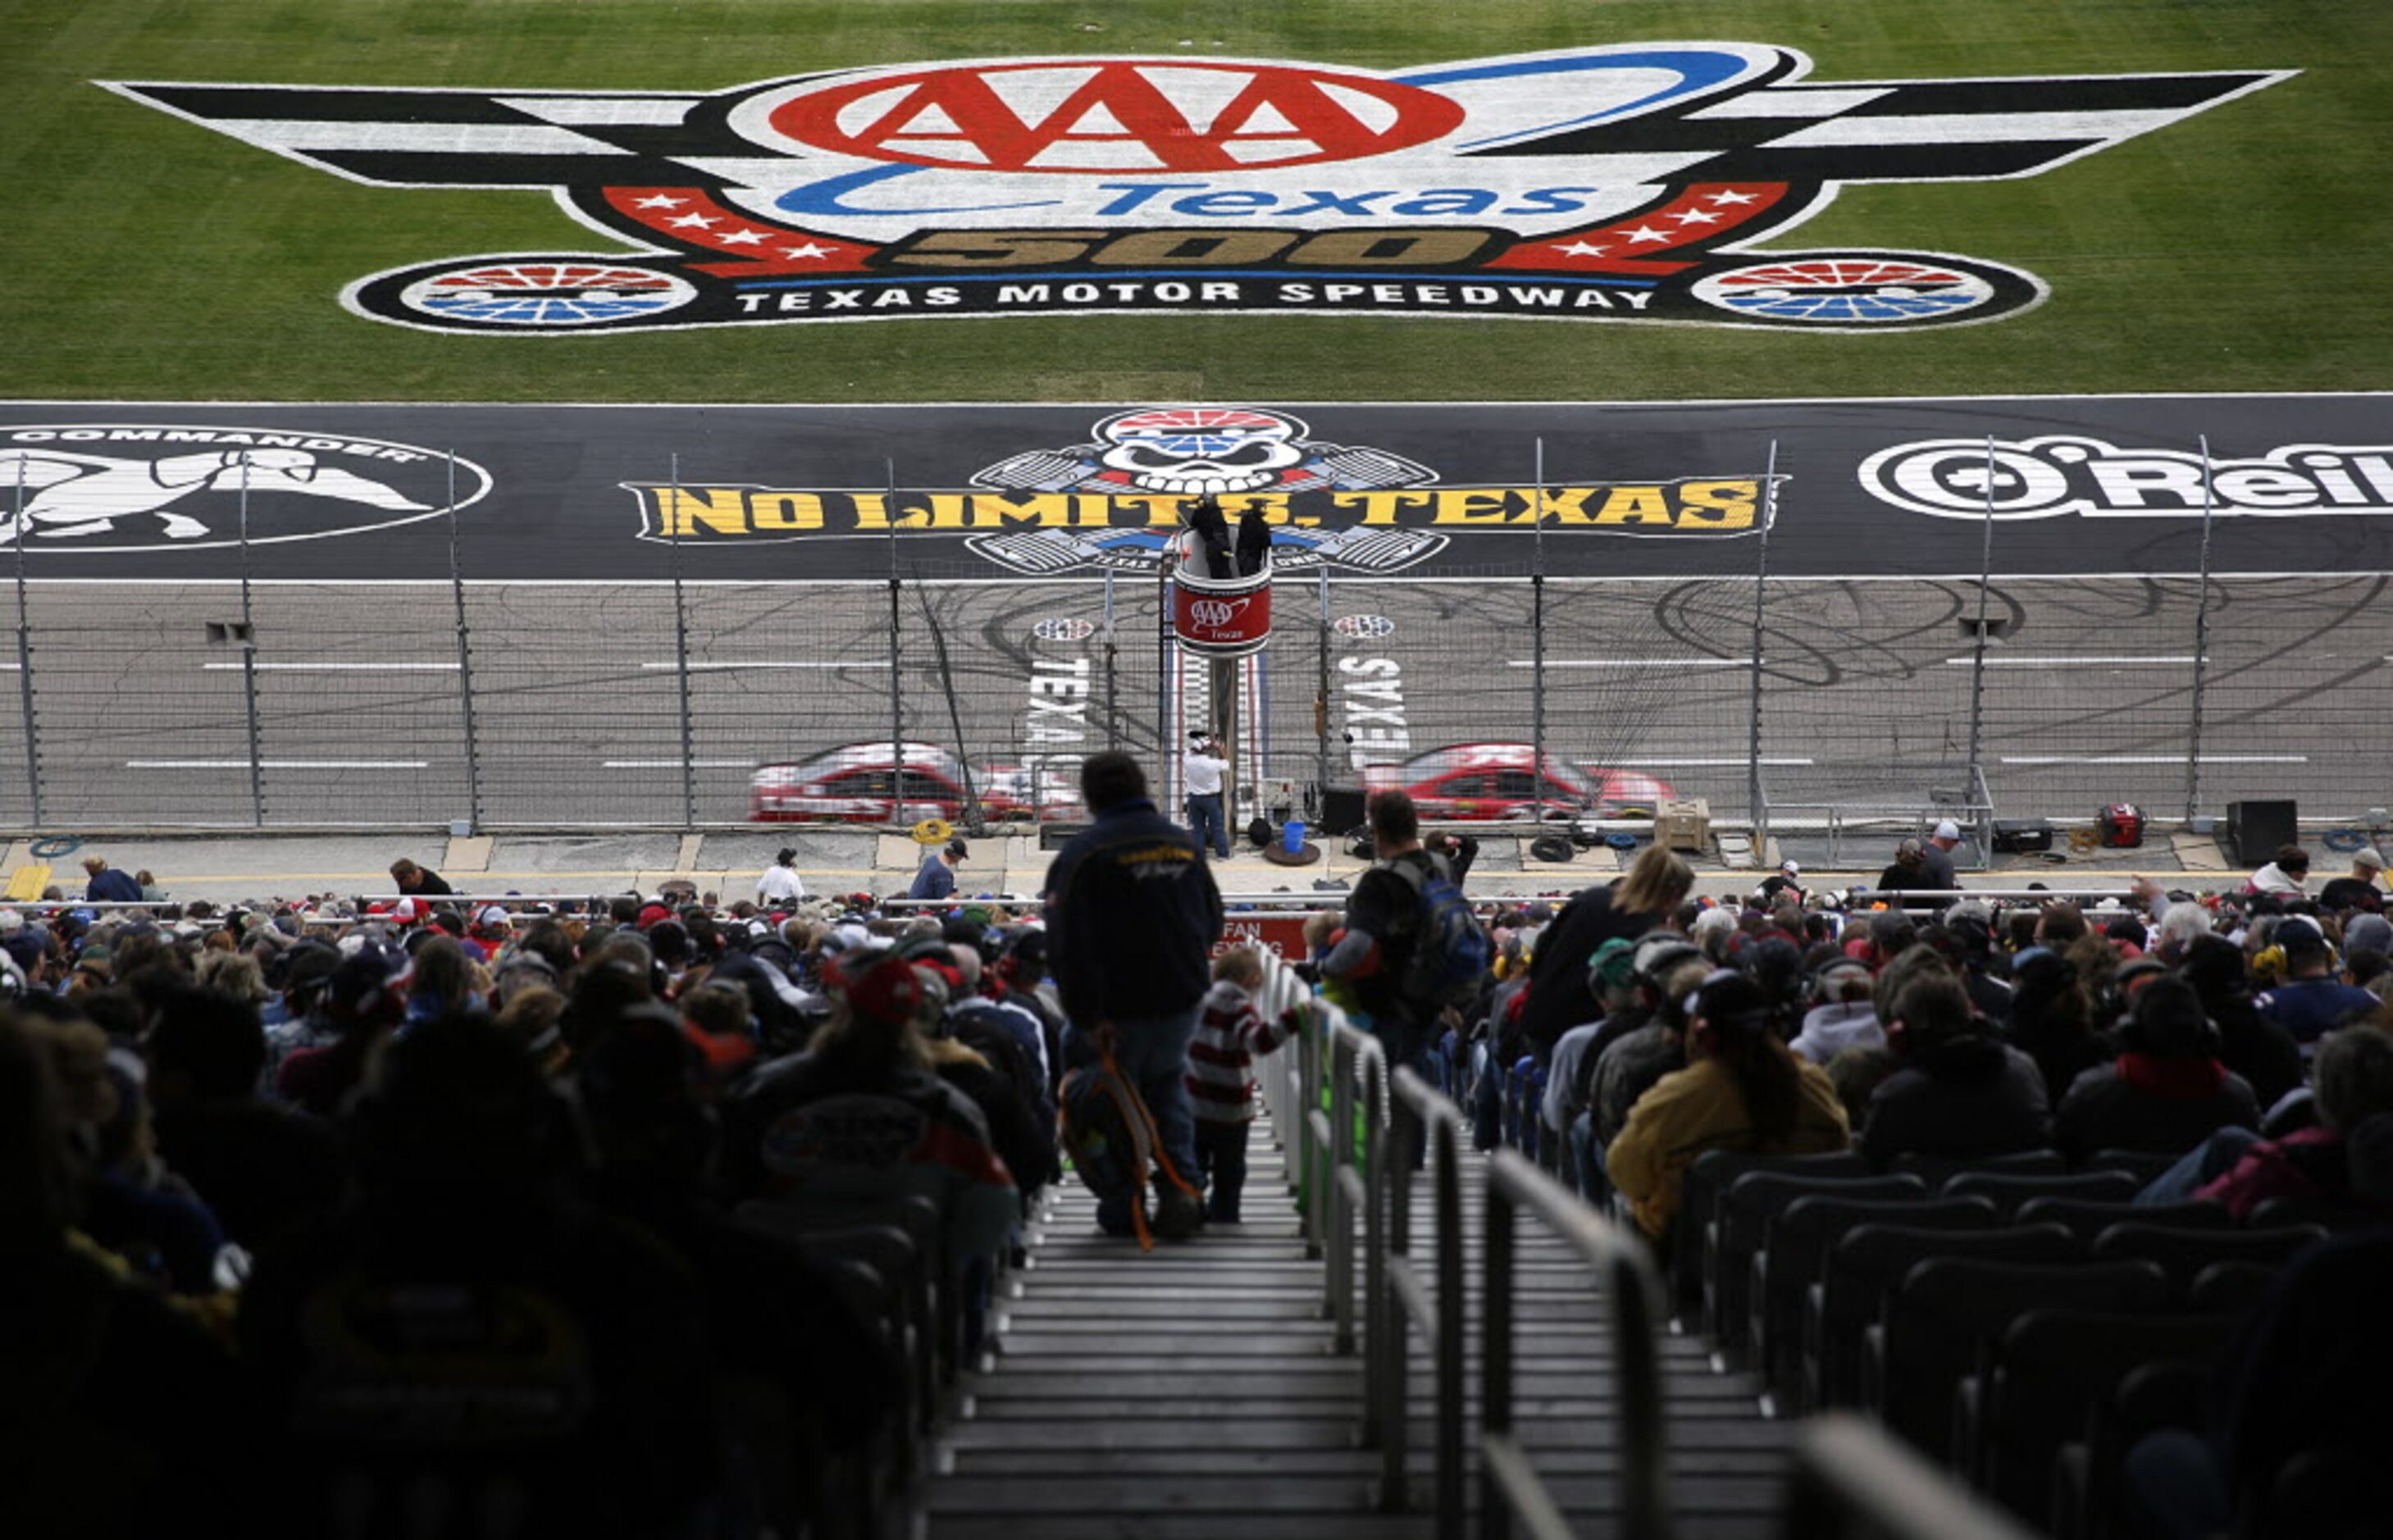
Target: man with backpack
1132	917
1411	945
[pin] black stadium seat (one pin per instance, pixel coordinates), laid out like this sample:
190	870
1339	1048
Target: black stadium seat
1742	1221
2182	1254
2087	1218
2051	1368
2230	1287
1936	1170
1699	1192
1788	1272
2143	1164
1950	1308
2086	1472
1868	1263
2010	1189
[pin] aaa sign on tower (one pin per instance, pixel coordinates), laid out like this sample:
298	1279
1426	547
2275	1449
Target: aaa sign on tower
1626	182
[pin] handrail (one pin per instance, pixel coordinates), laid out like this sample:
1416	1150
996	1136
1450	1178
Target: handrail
1852	1479
1509	1484
1408	1303
1402	1298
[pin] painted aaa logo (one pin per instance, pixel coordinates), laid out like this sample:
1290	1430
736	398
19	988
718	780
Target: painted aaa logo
1627	182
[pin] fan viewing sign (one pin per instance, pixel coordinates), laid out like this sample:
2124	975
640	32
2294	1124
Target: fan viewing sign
1621	182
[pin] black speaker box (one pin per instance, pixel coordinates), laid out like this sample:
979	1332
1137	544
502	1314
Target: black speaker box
2255	830
1341	809
2022	836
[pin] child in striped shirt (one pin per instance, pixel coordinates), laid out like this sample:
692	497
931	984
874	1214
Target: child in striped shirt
1230	1032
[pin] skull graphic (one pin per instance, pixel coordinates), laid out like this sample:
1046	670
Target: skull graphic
1197	451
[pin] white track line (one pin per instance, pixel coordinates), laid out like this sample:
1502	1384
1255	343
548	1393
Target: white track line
279	765
334	668
1992	662
2154	759
694	668
1632	663
676	764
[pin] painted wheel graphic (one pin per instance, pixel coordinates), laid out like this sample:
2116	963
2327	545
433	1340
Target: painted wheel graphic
1860	290
546	293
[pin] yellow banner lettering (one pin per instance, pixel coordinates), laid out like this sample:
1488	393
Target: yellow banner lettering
785	510
1463	506
694	510
1378	507
1635	505
1718	505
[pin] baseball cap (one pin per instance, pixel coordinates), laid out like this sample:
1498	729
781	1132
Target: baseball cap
957	848
1790	868
2369	856
1948	830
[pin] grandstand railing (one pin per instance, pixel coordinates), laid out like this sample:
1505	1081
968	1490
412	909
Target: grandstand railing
1356	1185
1855	1482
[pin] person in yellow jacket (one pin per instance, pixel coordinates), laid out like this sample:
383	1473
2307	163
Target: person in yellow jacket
1741	1089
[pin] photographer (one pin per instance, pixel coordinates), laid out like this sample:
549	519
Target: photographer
1201	769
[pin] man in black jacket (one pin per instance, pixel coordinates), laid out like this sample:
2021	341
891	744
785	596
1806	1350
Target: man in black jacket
1132	917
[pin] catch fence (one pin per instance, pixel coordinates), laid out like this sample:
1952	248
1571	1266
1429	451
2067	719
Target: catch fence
499	704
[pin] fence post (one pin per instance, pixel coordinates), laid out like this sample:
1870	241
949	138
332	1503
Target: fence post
1112	681
25	647
681	662
896	690
465	661
1985	582
1755	807
2200	649
1318	810
1537	644
249	665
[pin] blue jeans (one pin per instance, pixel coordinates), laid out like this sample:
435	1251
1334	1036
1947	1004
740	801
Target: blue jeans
2204	1164
1587	1160
1223	1148
1152	1053
1209	824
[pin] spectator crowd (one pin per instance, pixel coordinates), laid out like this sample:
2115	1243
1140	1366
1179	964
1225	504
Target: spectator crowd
302	1199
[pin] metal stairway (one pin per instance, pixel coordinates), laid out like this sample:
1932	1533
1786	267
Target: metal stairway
1189	1391
1194	1392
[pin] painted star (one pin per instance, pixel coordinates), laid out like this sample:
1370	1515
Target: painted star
809	249
692	221
1733	197
1580	248
659	202
1696	217
743	237
1647	233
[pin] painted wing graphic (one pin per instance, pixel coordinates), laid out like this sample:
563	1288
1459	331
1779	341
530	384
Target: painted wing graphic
408	137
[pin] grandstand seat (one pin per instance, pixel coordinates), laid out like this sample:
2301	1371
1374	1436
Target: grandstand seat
2143	1164
1796	1251
1699	1192
2086	1472
1740	1224
1936	1170
2230	1287
1948	1309
2049	1370
2087	1218
1867	1263
2329	1495
2319	1211
2010	1189
2182	1254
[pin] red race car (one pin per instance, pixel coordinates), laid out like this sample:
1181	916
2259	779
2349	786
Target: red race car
1499	781
859	784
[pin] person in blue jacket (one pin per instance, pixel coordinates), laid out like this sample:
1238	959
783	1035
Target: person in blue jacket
1133	914
109	885
937	877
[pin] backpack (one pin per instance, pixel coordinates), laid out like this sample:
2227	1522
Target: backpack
979	1025
1450	952
1112	1140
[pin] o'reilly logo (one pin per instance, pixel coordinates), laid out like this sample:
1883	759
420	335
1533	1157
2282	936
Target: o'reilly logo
2066	473
82	487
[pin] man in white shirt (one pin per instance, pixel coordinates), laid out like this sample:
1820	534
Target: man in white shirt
779	885
1201	769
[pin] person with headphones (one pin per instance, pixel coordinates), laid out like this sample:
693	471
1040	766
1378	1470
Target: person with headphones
1741	1090
2166	1091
